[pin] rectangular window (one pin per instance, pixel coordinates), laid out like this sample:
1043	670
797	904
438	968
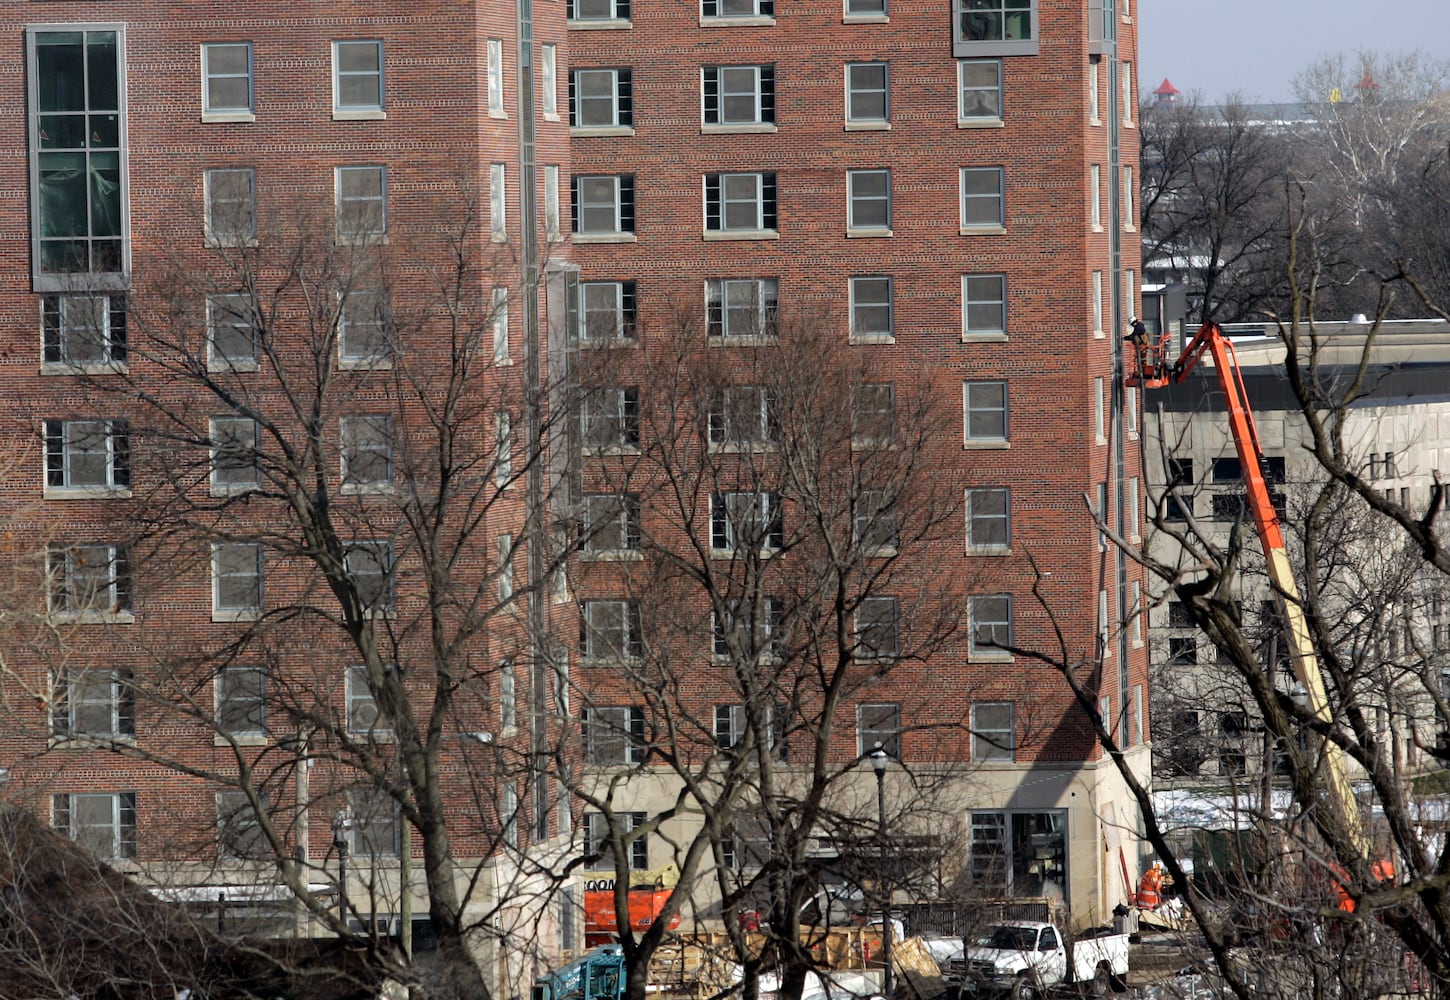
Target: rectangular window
606	311
995	27
740	417
226	79
986	411
495	78
731	724
601	98
982	198
498	202
505	568
89	579
1130	291
873	414
989	518
1102	511
1099	411
738	95
93	704
875	527
103	823
503	449
738	308
87	455
367	451
614	735
877	633
1097	303
549	81
236	580
867	94
357	76
737	8
984	305
78	169
362	329
83	329
1094	99
991	625
507	698
1019	853
362	203
231	205
241	701
363	713
500	320
231	325
980	90
744	521
1132	511
865	8
1182	651
868	199
551	201
1127	77
871	317
1095	193
994	731
746	634
599	847
239	828
609	631
609	419
234	460
740	203
878	725
377	823
602	205
597	10
369	566
1129	220
1130	410
611	523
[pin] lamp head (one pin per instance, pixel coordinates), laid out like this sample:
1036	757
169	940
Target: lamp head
879	759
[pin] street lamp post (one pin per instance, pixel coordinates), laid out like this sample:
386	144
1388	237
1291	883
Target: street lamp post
879	759
341	823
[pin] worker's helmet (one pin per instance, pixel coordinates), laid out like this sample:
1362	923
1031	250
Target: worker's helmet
1132	319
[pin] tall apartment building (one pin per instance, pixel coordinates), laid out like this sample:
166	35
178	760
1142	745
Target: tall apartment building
272	269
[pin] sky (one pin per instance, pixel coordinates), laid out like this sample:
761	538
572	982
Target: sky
1257	46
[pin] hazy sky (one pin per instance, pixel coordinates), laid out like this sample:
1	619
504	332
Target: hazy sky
1257	46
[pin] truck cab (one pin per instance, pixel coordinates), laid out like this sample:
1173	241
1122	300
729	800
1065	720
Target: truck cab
597	975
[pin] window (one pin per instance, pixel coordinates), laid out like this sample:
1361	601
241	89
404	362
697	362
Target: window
1095	189
878	726
1102	512
1019	853
1178	615
980	90
996	27
873	414
1094	98
866	8
746	521
1182	651
994	733
241	703
231	205
549	81
601	98
495	78
611	523
753	632
508	814
1129	219
609	631
991	618
362	329
102	823
984	305
986	412
740	203
498	222
369	566
602	205
92	703
606	311
83	329
738	95
1099	411
357	77
737	8
364	715
740	417
609	419
78	176
226	80
87	455
507	698
597	10
1127	78
231	325
234	466
1130	297
614	735
1132	505
362	202
871	308
982	198
732	725
988	518
89	579
867	98
503	449
376	823
239	828
876	629
1097	303
868	199
236	580
551	201
599	846
740	308
505	568
875	526
367	451
500	326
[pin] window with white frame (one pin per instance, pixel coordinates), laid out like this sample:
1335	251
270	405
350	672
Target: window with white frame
737	8
749	631
1097	303
601	98
614	735
1127	79
103	823
609	631
83	329
1130	221
505	568
606	311
741	417
377	823
226	79
234	460
740	203
597	10
866	8
609	419
985	404
87	455
746	521
92	704
231	326
551	201
873	414
602	205
878	725
1094	92
1095	193
362	202
737	308
1099	411
1130	410
367	451
982	198
239	828
738	95
500	320
1132	507
90	578
989	518
1130	291
241	701
231	205
995	27
549	81
599	846
364	715
1018	853
507	698
236	580
733	723
610	523
362	328
503	449
994	731
868	200
877	629
508	814
876	528
867	94
369	566
357	76
979	90
991	625
984	305
495	78
498	202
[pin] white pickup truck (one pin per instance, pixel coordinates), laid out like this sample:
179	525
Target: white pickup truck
1024	959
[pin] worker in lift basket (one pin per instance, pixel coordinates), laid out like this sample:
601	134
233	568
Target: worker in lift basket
1137	336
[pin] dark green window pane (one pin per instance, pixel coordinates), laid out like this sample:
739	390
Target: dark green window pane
105	132
106	255
1019	25
102	63
63	256
60	71
62	194
105	194
62	132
